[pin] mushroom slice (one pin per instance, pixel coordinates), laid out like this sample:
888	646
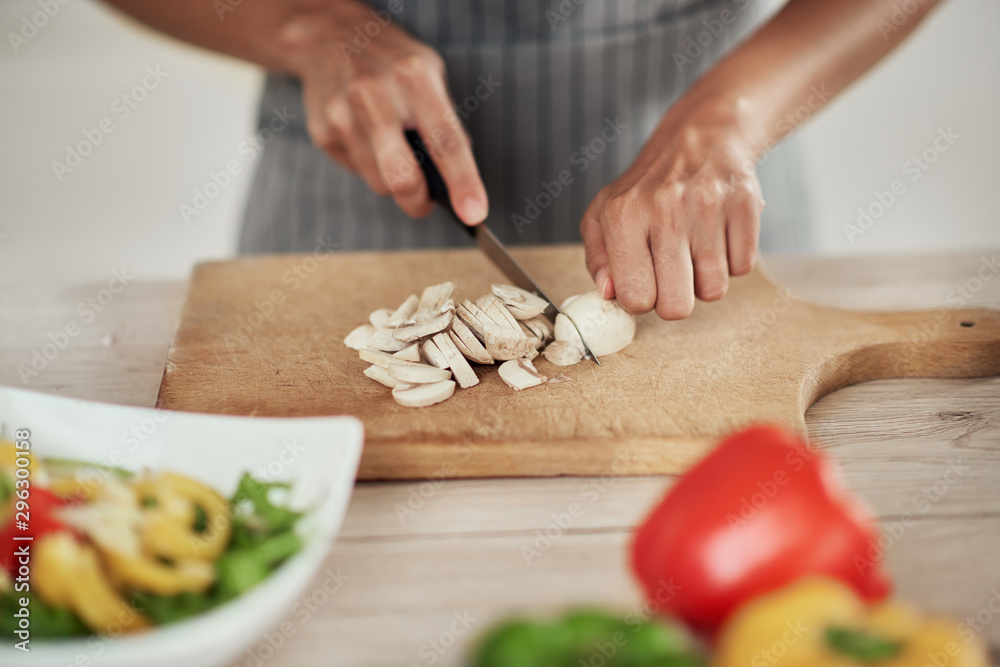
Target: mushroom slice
467	343
474	318
496	311
377	357
433	300
409	353
384	340
411	373
380	317
422	395
381	376
412	332
520	374
404	313
504	343
532	355
562	353
566	332
359	337
540	327
464	375
433	354
522	304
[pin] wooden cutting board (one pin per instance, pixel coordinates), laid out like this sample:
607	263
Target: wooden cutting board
263	336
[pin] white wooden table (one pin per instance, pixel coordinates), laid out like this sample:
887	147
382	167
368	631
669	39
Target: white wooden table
420	568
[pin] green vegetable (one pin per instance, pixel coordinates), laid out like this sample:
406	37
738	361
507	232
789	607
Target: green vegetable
61	466
861	645
266	519
7	487
46	621
587	637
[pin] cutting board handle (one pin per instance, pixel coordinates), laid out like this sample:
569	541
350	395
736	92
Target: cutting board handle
943	343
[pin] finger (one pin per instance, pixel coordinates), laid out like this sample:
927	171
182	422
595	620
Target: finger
674	274
339	155
743	233
595	252
375	110
446	141
348	133
624	227
711	267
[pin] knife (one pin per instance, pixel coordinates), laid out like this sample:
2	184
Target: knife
485	239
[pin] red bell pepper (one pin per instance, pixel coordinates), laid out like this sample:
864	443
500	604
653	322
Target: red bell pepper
760	511
42	505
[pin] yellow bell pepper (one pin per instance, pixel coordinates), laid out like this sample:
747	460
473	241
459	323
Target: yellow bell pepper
67	573
169	530
819	622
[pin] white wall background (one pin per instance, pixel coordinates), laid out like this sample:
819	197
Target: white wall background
119	208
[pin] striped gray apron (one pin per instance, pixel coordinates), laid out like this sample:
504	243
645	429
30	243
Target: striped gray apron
558	96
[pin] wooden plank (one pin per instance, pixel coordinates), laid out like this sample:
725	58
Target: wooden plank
262	336
118	352
401	595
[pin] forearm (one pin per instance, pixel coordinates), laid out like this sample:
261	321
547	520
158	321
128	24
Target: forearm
806	55
260	31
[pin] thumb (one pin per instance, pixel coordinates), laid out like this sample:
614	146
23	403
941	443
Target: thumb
596	255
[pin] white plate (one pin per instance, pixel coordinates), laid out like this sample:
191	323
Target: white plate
318	455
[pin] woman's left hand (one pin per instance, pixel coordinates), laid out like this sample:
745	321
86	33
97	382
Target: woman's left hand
682	219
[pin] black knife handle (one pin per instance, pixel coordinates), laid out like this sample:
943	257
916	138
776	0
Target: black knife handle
435	184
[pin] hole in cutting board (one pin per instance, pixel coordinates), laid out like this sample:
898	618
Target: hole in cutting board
967	324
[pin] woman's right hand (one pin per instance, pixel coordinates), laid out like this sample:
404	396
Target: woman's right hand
360	99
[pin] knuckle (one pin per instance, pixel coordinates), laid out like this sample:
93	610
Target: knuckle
417	68
713	288
635	299
674	307
743	264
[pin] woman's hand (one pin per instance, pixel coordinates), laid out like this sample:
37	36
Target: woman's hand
360	99
682	219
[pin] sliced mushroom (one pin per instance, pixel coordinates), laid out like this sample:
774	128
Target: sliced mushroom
532	355
380	317
376	357
562	353
409	353
405	311
496	311
522	304
568	300
384	340
606	326
359	337
467	342
474	318
566	332
540	327
433	354
411	373
520	374
464	375
433	301
381	376
411	332
422	395
504	343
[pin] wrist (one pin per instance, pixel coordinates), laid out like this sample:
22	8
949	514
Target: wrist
702	121
307	30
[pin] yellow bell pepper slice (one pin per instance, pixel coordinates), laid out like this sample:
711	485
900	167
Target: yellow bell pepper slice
169	526
147	574
68	574
819	622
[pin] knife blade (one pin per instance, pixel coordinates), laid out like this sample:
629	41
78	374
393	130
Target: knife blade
485	238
